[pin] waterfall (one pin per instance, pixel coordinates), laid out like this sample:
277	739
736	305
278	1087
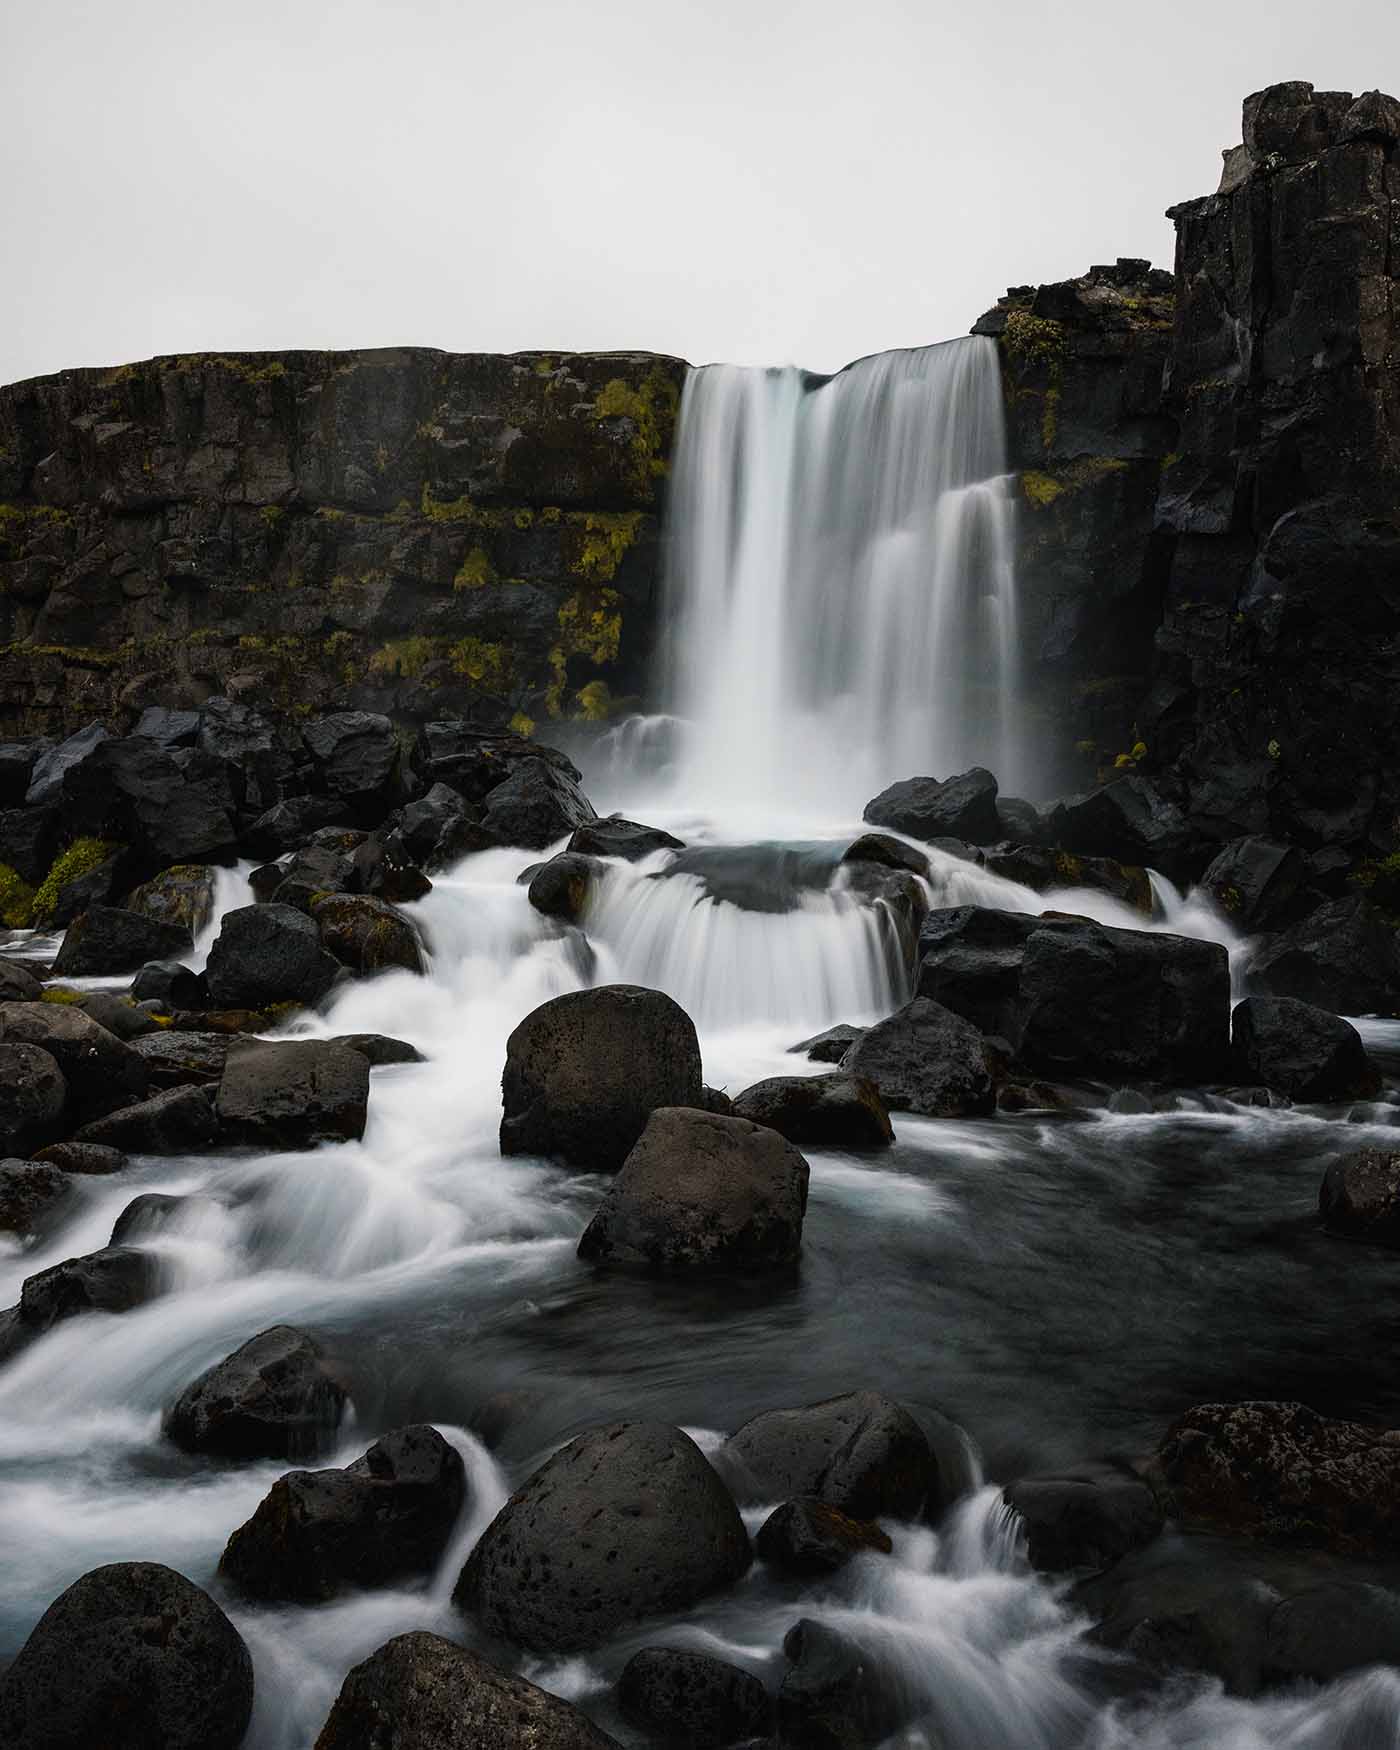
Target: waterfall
840	580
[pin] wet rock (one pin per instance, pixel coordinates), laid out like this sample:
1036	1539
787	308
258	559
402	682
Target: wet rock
1343	957
1042	867
46	779
473	761
112	1280
130	1657
16	768
182	897
167	807
699	1191
585	1071
268	954
925	1059
108	939
536	805
1019	820
1322	1633
119	1015
33	1095
82	1157
1282	1472
383	868
831	1046
178	1121
145	1215
862	1453
964	807
808	1538
717	1101
1360	1197
178	1060
613	836
378	1048
562	887
890	853
91	888
1130	819
384	1517
689	1698
832	1697
428	1693
292	1094
275	1397
100	1070
367	935
1305	1052
306	875
31	1194
432	819
357	759
1257	883
18	984
1086	1517
171	985
970	960
627	1521
288	825
830	1111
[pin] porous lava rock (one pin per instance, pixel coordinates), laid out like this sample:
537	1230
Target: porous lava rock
368	935
100	1071
692	1699
808	1537
33	1095
179	1120
1360	1197
536	805
962	807
614	836
925	1059
294	1093
829	1111
1084	1517
267	954
1300	1050
562	887
31	1192
1344	957
275	1397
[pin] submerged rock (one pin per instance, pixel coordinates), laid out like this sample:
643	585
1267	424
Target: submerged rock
1302	1051
384	1517
691	1699
892	853
130	1657
964	807
809	1538
585	1071
378	1048
275	1397
925	1059
628	1520
292	1094
701	1191
112	1280
1086	1517
830	1111
421	1692
1360	1197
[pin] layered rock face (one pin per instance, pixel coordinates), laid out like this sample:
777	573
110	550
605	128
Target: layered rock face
415	532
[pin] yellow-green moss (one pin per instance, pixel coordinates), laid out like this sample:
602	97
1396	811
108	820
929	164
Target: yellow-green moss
272	514
59	993
1050	417
475	571
489	665
594	702
606	537
1033	339
404	657
1040	489
1069	868
651	407
80	858
16	899
522	725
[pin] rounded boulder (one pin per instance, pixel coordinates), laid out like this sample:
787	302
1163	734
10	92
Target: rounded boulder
273	1398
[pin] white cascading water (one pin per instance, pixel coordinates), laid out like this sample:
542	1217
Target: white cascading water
840	581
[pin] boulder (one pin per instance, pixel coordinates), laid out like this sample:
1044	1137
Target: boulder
379	1049
964	807
107	939
627	1521
16	769
831	1046
288	825
268	954
182	897
1129	819
367	935
614	836
357	759
166	806
889	853
1085	1517
171	985
82	1157
31	1194
1305	1052
31	837
830	1111
925	1059
809	1538
1325	1631
536	805
100	1071
1282	1472
148	1214
1043	867
118	1014
18	984
421	1692
474	762
33	1095
308	873
970	959
178	1121
46	778
383	1518
832	1696
292	1094
686	1698
130	1657
112	1281
168	728
1258	884
1343	957
179	1060
585	1071
76	885
383	867
562	887
275	1397
1360	1197
700	1191
862	1453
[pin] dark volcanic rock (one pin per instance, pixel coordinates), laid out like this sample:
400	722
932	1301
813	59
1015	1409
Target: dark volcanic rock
383	868
118	1014
1257	883
130	1657
808	1537
536	805
46	779
83	1157
1322	1633
831	1046
1087	1517
473	762
31	1193
18	984
561	887
113	1280
1043	867
924	1059
384	1517
585	1071
275	1397
378	1048
1130	819
100	1070
891	853
108	939
170	984
267	954
286	826
146	1215
33	1094
627	1521
1282	1472
862	1453
367	935
180	1120
291	1094
691	1699
613	836
428	1693
832	1697
701	1191
1343	957
1360	1197
357	758
1302	1051
964	807
182	897
830	1111
178	1060
970	960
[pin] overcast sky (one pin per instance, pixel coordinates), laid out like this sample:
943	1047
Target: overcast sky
751	180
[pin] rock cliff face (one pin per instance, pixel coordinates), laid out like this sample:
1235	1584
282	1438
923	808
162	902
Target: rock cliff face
409	531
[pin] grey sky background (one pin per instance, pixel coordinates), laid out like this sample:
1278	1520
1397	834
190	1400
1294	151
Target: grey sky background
762	182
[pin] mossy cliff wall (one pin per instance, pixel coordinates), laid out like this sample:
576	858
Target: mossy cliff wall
404	530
